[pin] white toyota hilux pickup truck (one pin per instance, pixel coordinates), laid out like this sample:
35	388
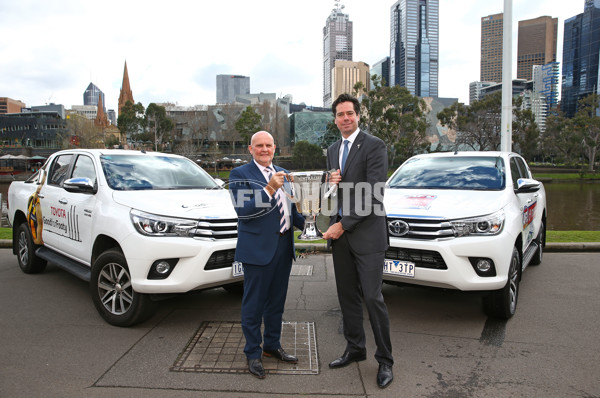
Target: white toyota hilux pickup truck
471	221
135	224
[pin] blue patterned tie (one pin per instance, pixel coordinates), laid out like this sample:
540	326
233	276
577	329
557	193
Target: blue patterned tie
279	202
345	154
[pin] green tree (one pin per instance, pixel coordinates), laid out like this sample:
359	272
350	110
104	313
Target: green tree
396	116
525	132
477	126
558	141
88	135
248	123
307	155
160	126
586	124
331	135
131	121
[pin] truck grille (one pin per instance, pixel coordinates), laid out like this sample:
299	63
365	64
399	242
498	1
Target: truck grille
215	229
419	228
421	258
220	259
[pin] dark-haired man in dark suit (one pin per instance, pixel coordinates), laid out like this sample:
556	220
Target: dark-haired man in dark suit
358	237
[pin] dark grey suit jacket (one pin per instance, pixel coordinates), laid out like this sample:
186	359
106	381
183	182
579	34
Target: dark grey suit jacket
365	223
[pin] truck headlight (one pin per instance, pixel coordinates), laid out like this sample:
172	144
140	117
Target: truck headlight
155	225
483	226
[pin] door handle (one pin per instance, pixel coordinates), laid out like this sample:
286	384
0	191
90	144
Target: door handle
41	195
63	201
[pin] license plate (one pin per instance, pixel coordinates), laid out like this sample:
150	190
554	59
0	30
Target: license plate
238	269
402	268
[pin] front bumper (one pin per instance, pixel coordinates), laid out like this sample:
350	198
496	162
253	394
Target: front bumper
455	252
189	272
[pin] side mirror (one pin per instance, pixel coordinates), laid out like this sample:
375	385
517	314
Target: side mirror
79	184
220	182
527	185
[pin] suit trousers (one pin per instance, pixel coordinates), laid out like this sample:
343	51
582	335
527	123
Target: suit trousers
265	291
358	279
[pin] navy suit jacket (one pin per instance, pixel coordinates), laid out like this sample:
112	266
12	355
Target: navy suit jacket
366	163
258	215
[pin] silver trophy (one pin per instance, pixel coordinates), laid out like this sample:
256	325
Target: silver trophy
306	194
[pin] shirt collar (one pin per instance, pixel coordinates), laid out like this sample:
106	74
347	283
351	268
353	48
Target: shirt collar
352	137
262	168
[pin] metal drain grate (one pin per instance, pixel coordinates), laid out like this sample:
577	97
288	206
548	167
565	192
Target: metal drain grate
301	270
218	347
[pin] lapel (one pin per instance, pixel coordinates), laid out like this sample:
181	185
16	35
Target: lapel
256	174
356	146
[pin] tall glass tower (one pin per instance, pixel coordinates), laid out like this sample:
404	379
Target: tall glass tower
581	49
91	94
337	45
414	46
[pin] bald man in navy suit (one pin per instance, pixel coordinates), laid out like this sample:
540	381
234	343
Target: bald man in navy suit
265	247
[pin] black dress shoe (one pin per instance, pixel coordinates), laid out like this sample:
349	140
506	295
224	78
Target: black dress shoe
347	358
384	375
255	367
281	355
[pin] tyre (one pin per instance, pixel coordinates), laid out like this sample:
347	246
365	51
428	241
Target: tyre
503	303
235	288
541	242
28	261
113	294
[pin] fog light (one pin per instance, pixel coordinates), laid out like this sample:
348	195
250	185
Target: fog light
484	265
163	267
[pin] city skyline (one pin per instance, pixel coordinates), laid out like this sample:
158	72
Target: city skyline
279	48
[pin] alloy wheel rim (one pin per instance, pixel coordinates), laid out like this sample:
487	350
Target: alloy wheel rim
115	289
23	252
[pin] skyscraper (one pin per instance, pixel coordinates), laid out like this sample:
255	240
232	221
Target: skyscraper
230	86
536	44
581	47
346	74
491	48
91	95
337	45
414	45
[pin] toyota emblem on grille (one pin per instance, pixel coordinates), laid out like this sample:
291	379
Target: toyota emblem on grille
398	228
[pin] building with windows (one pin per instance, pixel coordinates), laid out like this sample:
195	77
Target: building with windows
337	45
91	95
346	74
490	69
475	90
382	69
545	82
581	46
9	105
42	132
536	44
414	52
230	86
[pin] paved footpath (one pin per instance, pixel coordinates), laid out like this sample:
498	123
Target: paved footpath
53	343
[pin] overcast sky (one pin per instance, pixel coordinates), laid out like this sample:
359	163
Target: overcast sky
51	50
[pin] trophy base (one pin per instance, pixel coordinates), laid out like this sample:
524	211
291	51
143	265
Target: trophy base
310	232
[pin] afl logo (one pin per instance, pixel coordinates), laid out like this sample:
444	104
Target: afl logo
398	228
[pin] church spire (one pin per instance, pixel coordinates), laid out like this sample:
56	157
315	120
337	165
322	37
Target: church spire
101	119
126	94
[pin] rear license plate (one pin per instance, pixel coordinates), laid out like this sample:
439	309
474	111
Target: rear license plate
401	268
238	269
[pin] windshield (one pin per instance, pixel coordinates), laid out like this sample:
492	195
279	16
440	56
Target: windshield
452	172
135	172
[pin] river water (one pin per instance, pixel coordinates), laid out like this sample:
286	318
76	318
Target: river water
571	206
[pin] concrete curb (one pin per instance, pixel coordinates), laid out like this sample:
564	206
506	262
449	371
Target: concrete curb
322	247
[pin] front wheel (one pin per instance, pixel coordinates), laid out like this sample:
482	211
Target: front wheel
28	261
113	294
503	303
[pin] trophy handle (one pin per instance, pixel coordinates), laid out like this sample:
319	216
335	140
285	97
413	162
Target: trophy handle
332	191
